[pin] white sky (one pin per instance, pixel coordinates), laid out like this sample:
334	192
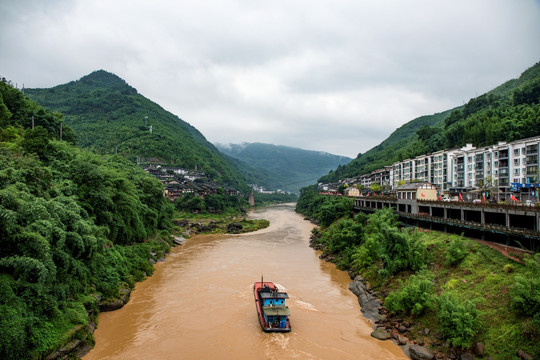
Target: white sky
337	76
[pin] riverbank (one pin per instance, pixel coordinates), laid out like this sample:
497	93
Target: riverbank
479	275
79	340
188	224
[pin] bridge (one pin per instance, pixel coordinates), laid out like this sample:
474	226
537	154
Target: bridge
507	224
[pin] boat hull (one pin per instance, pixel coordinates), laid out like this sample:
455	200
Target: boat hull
258	304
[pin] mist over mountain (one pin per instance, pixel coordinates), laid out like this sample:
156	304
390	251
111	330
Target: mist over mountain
289	168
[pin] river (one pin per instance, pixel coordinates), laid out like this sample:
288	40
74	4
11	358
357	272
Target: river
199	302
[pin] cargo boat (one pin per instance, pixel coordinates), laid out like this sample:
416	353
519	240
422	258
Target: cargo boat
271	310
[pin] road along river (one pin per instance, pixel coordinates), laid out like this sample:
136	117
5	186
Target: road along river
199	303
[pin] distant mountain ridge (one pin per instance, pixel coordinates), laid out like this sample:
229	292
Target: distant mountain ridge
110	116
290	168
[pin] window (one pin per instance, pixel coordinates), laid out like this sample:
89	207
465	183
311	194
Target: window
516	151
532	149
516	161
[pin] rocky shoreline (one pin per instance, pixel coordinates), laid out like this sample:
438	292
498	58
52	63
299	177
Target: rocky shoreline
417	342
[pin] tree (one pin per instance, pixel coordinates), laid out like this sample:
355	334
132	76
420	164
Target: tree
427	132
376	188
36	140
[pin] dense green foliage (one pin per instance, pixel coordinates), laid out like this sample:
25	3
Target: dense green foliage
214	203
459	320
526	293
507	113
64	215
16	110
457	251
414	297
108	116
322	208
276	198
220	202
291	168
454	286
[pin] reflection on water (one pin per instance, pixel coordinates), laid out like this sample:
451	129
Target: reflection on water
199	303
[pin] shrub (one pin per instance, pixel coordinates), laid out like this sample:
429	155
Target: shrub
508	268
367	254
413	298
525	295
401	250
333	209
342	235
457	251
458	319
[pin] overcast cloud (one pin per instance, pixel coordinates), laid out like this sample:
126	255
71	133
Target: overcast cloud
336	76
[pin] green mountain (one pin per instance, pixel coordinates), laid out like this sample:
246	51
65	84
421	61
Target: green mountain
76	228
284	167
509	112
109	116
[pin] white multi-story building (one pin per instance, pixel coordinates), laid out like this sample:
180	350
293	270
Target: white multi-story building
501	168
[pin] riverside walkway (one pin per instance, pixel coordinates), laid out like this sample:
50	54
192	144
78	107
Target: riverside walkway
508	224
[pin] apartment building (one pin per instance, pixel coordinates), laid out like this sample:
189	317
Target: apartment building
502	168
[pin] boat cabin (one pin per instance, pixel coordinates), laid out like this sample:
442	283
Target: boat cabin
272	298
276	316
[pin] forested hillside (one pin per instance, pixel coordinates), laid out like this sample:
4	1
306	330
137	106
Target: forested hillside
252	175
507	113
75	229
109	116
292	168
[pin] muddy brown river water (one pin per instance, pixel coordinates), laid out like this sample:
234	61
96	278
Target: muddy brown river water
199	302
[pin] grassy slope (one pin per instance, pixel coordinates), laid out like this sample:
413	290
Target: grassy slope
481	277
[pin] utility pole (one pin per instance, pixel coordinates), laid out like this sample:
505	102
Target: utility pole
61	122
32	123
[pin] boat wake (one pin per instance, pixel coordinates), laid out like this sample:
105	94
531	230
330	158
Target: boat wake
280	340
305	305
